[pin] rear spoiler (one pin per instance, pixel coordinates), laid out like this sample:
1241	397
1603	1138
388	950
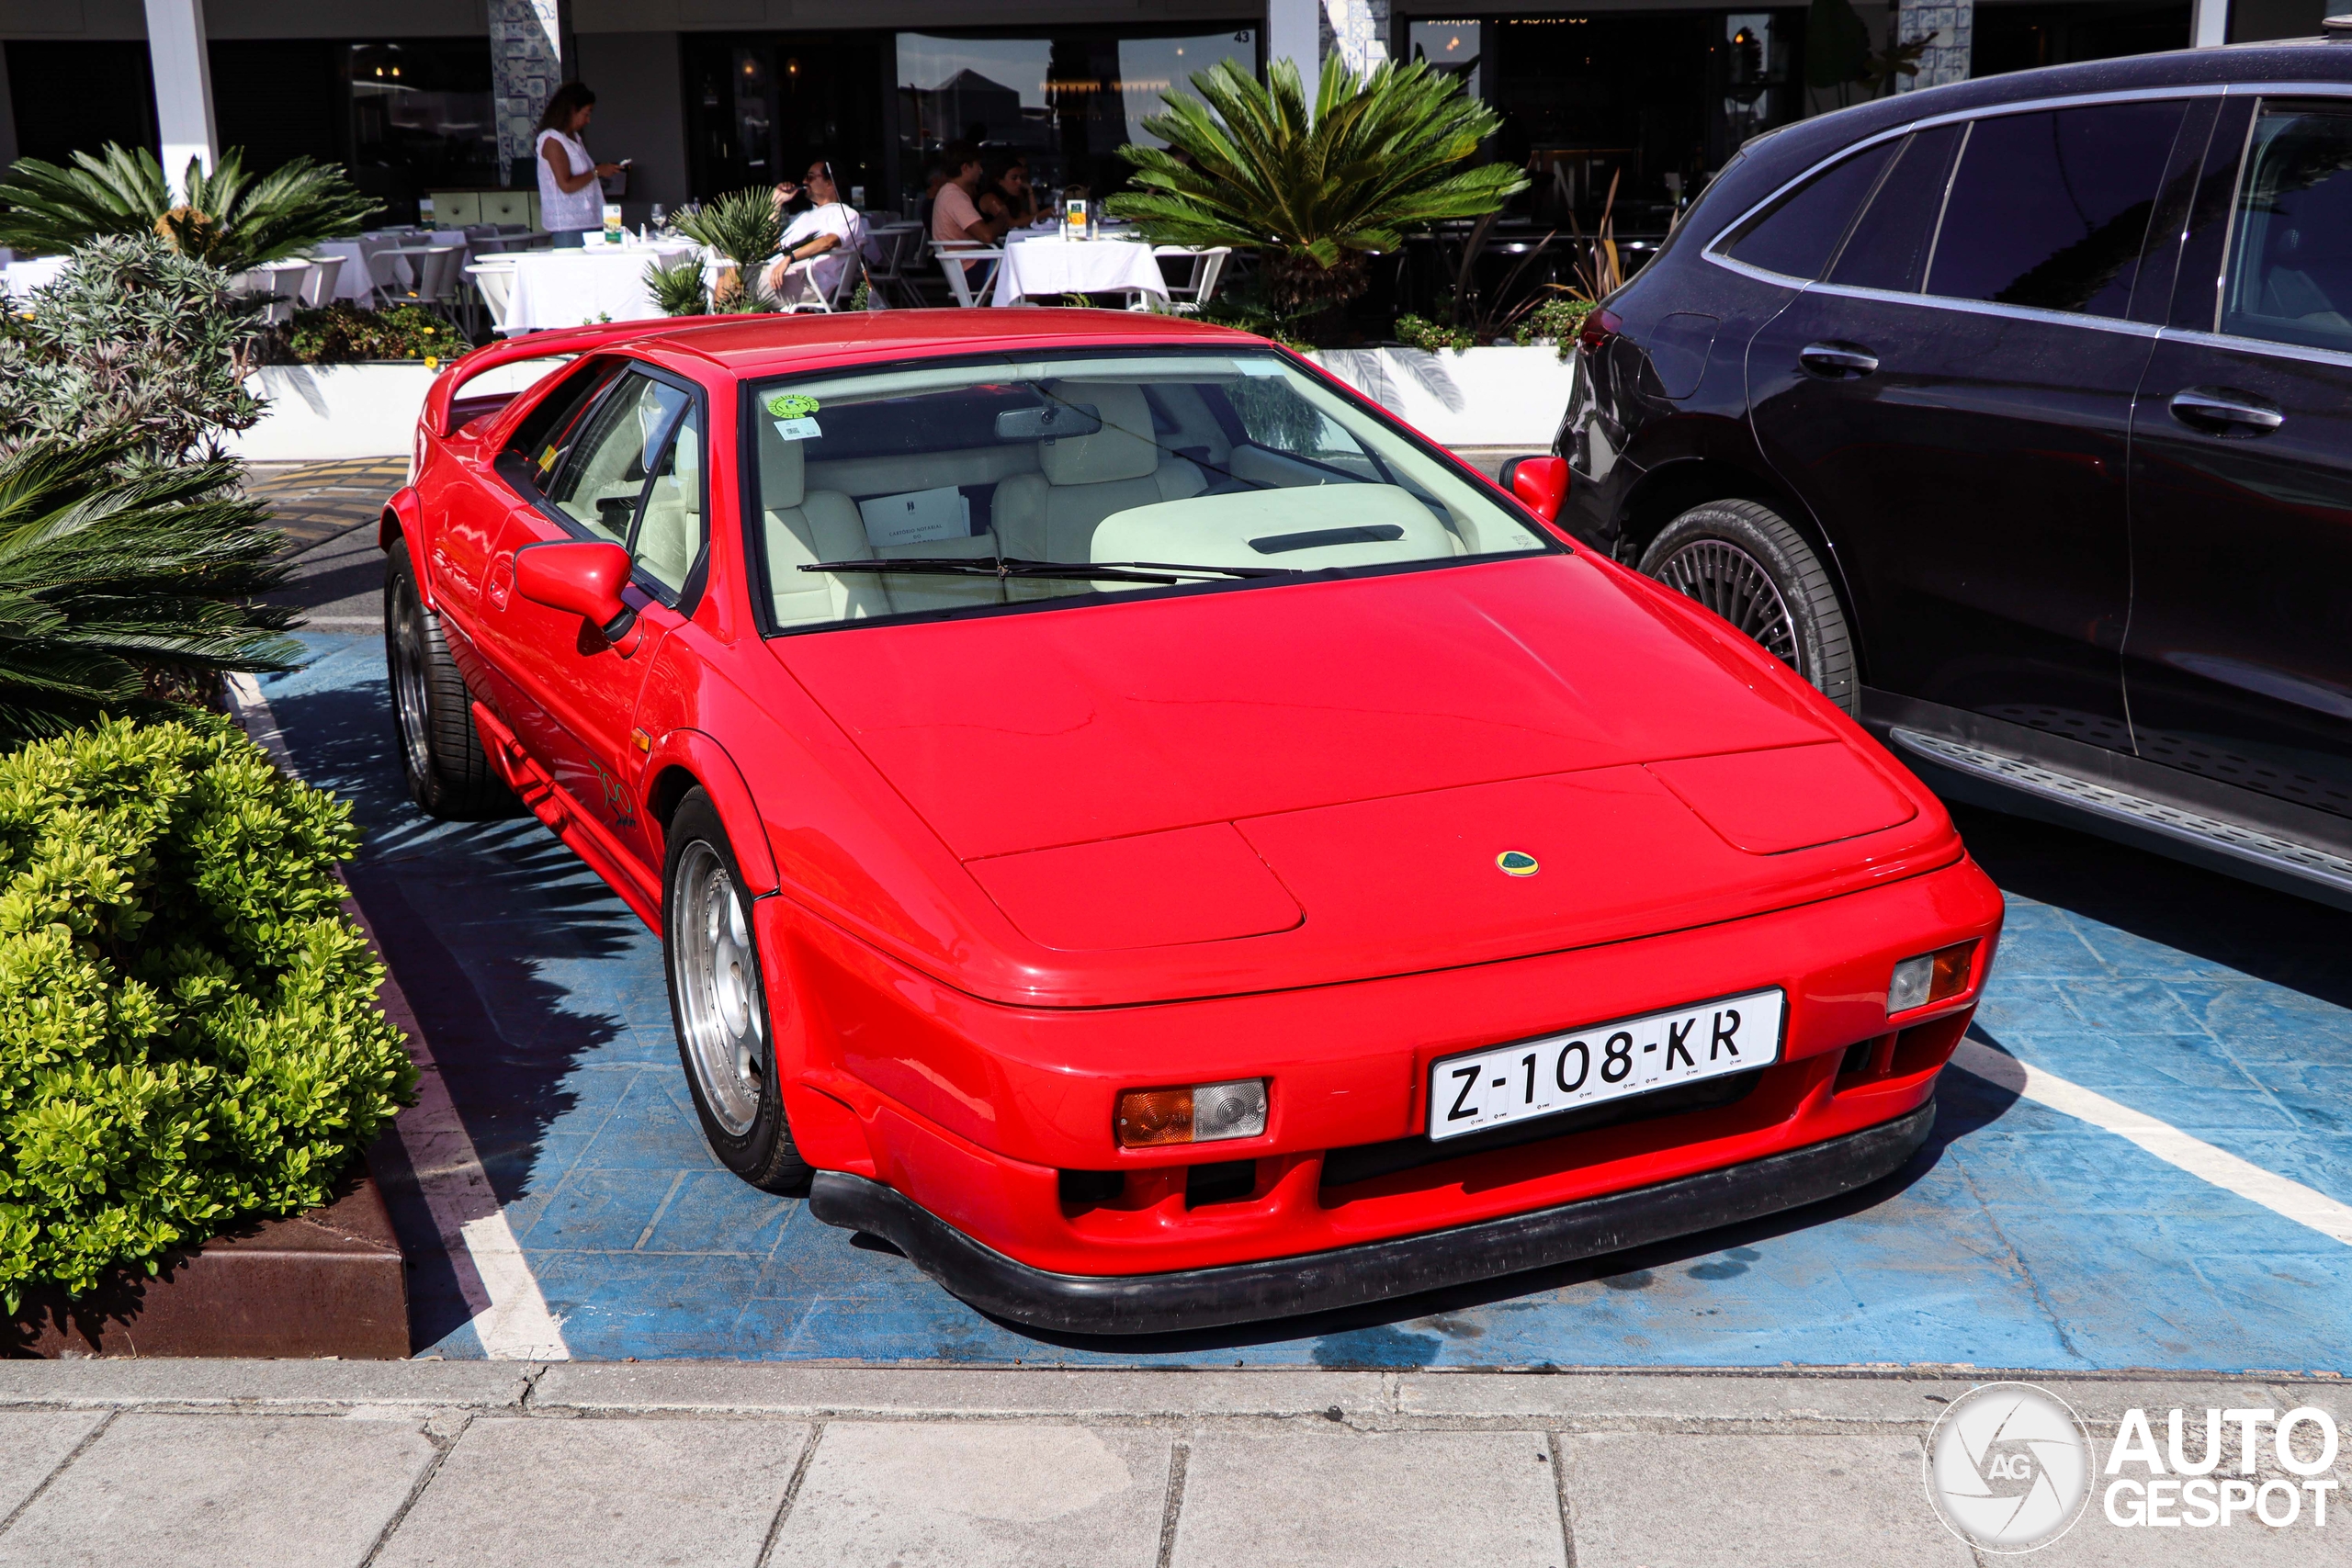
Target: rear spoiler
440	412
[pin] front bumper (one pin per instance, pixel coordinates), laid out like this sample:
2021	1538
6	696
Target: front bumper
1372	1271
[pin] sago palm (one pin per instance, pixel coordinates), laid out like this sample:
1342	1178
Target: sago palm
114	590
1315	188
746	227
228	218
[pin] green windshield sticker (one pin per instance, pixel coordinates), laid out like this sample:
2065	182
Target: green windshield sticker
792	406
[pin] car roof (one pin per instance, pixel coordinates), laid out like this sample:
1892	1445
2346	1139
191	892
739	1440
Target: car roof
1778	156
754	345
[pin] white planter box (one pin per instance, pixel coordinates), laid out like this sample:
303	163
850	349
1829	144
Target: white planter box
322	412
1469	397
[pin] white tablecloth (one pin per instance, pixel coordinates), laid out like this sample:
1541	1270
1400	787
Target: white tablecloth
571	289
19	278
1048	264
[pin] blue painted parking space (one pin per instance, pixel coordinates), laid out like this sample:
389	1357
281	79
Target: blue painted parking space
2021	1236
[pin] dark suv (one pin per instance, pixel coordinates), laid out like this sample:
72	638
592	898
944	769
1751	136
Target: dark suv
2017	415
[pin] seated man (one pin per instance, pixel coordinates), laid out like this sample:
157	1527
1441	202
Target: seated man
954	215
818	242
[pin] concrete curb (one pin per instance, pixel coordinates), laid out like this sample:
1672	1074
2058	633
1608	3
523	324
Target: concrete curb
1825	1400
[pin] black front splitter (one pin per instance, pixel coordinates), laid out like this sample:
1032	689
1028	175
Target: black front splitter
1375	1271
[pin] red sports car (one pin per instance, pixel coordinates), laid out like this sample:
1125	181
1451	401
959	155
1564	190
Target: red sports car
1151	836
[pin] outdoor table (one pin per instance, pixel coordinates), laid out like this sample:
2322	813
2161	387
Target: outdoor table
18	279
1046	264
356	280
571	289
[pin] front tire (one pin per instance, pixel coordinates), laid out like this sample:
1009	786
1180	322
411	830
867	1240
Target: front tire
1744	561
442	758
719	1003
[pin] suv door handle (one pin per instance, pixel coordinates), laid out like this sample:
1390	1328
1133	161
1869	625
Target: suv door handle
1836	361
2223	411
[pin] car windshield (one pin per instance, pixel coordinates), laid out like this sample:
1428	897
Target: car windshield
974	486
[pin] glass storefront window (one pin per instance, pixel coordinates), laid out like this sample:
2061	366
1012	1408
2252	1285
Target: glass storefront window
1070	99
421	119
1448	46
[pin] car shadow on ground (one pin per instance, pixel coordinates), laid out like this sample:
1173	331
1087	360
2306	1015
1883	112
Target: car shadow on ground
477	919
2268	935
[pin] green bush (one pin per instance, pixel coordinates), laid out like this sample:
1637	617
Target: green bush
1559	318
188	1029
131	338
343	333
1414	332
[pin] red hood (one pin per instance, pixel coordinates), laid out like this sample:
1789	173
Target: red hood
1067	726
1338	727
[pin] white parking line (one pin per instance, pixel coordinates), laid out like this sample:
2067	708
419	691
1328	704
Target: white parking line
2275	1192
510	1316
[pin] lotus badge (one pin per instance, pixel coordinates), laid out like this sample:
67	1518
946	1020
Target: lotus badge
1517	863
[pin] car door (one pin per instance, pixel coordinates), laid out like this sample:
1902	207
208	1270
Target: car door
2239	657
1953	403
472	503
634	476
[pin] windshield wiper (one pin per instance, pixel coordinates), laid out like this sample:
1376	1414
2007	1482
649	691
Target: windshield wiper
1161	572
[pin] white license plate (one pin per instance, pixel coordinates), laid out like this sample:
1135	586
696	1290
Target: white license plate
1609	1061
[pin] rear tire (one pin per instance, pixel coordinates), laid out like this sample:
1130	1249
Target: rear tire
1744	561
719	1003
433	712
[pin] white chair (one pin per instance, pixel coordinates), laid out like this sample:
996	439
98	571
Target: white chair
953	256
1200	272
844	287
318	284
435	274
893	275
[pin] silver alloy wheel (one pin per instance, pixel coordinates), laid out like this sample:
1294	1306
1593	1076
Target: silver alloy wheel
718	990
1734	585
408	681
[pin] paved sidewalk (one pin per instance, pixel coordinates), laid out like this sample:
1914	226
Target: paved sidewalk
125	1463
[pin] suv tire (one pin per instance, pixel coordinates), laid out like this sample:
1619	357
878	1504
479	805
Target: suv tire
433	712
1745	562
719	1003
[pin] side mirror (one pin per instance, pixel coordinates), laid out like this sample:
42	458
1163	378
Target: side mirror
584	577
1540	483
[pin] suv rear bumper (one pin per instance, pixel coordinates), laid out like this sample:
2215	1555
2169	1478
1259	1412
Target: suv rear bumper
1374	1271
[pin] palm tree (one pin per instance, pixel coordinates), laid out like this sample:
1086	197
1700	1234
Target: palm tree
116	592
227	217
747	227
1247	165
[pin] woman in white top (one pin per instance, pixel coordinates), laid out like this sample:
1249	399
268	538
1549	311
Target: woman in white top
571	196
818	242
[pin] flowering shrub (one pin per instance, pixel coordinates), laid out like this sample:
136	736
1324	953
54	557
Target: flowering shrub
342	333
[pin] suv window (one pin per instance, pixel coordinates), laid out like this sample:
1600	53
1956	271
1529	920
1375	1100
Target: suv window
1797	237
1890	244
2051	210
2290	277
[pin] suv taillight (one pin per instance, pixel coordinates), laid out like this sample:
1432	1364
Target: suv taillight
1598	328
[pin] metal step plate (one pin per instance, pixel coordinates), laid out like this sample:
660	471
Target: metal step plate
2281	855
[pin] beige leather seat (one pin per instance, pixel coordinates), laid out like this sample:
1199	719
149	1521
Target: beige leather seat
803	525
670	537
806	526
1052	515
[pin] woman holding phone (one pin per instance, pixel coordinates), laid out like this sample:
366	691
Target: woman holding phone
572	194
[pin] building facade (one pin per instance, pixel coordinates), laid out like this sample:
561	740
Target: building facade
1643	96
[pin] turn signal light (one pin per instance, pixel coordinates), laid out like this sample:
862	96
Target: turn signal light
1931	977
1204	1114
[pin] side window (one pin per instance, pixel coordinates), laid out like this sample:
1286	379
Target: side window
602	479
548	432
2051	210
670	534
1888	247
1797	237
2290	276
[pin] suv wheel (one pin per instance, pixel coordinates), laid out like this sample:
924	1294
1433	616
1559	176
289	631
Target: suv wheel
433	712
1746	564
719	1003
